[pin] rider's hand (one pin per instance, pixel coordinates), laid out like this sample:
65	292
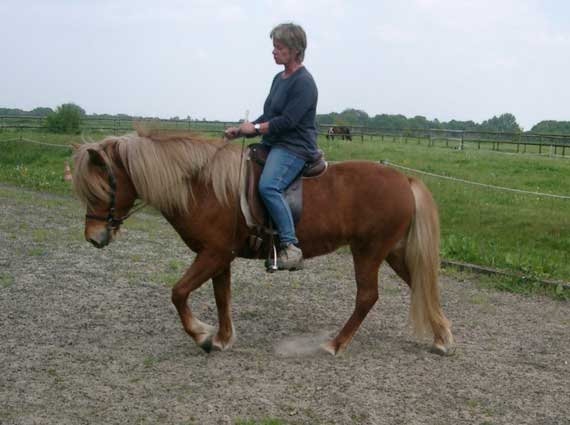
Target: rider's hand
246	128
232	133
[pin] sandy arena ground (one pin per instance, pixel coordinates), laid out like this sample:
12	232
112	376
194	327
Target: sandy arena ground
90	337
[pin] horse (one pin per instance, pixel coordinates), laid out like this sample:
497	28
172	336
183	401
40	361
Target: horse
195	182
343	132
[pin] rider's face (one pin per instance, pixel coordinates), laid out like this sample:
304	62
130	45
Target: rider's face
282	54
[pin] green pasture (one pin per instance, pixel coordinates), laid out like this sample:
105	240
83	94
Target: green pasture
524	233
528	234
105	126
40	166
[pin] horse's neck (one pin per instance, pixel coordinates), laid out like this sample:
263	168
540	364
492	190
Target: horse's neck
205	217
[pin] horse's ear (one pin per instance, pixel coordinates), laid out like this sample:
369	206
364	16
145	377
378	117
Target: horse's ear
75	147
96	158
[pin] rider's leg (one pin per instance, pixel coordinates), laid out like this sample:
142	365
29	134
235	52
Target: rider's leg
280	170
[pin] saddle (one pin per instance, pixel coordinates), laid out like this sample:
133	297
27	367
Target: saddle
257	217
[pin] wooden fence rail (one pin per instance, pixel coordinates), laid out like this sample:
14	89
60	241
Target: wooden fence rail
551	144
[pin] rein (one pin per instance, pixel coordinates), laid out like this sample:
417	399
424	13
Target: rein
238	207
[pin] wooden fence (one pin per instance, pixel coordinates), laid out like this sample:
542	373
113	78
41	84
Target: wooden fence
527	142
552	144
109	125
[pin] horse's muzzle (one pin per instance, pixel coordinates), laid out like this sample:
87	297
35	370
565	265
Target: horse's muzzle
100	240
97	244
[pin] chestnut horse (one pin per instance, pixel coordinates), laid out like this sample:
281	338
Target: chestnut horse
194	182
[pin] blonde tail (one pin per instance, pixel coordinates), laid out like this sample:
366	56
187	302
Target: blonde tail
422	260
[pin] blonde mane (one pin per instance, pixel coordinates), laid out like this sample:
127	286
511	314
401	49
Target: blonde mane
161	166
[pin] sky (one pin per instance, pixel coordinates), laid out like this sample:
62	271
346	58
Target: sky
444	59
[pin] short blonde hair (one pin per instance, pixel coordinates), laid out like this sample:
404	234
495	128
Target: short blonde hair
293	36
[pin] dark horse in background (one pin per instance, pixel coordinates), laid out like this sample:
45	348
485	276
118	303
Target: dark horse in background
342	132
382	214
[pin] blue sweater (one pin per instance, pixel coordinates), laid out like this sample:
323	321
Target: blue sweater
291	108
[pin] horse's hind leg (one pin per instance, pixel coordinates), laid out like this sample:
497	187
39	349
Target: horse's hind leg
366	268
397	261
440	328
222	291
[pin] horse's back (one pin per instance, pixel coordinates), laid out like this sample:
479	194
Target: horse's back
363	184
355	200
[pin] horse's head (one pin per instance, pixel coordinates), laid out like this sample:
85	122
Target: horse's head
101	182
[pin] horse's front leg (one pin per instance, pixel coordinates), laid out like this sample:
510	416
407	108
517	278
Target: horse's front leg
205	266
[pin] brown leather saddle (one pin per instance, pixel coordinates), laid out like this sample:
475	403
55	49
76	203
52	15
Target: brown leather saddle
256	157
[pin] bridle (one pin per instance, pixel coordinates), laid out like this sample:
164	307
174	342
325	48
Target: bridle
113	223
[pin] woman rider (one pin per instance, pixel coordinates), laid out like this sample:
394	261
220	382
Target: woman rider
288	129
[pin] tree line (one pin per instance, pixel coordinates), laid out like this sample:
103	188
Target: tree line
506	122
562	127
67	118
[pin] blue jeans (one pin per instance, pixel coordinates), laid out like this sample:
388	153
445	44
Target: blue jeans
280	170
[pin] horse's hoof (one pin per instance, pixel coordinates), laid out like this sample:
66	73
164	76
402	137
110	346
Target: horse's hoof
441	350
217	345
328	347
207	345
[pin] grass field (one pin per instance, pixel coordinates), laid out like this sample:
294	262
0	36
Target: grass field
514	231
523	233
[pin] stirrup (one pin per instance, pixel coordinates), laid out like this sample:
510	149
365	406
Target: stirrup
271	263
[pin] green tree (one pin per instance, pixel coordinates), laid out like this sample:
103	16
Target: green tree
558	127
41	112
504	122
419	121
11	112
66	119
354	117
460	125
